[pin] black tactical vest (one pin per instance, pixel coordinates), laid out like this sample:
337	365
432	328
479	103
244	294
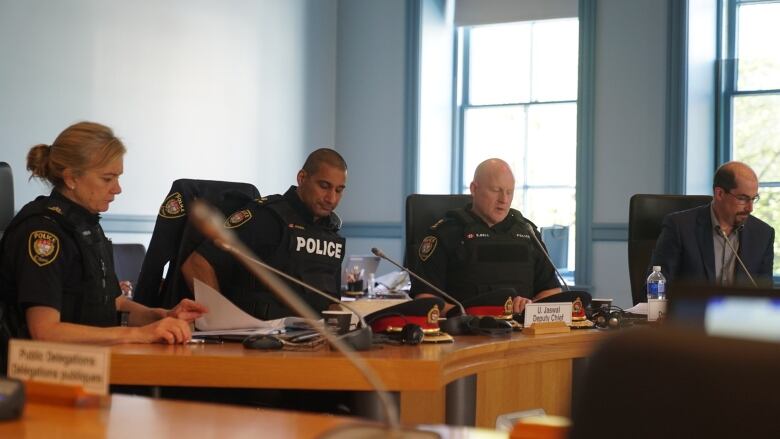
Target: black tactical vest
307	252
485	260
310	253
91	302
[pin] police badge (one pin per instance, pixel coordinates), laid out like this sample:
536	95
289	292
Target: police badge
238	218
427	246
43	247
173	206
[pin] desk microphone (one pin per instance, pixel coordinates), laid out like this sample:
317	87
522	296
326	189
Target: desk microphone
733	250
211	223
458	325
360	339
532	232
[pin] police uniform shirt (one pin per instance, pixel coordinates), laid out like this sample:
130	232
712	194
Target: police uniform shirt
41	261
443	251
262	231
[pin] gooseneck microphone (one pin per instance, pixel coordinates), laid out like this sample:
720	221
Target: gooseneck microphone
211	224
532	232
360	339
734	251
457	325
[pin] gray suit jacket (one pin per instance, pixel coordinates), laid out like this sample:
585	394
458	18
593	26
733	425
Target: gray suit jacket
685	250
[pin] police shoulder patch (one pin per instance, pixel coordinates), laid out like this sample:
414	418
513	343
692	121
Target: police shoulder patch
427	246
43	247
238	219
173	206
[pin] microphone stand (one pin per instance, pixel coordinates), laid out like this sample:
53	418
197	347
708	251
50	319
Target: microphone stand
736	255
210	223
360	339
458	325
546	255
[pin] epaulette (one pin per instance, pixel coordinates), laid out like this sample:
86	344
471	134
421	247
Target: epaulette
268	199
519	218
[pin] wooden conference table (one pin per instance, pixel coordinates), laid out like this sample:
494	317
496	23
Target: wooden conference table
140	417
517	373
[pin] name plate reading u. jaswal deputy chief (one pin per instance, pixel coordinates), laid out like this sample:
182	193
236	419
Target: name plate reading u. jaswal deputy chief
547	313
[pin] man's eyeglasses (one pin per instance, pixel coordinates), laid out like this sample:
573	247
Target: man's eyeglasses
744	199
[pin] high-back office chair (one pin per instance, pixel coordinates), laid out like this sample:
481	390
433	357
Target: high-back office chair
422	210
645	216
672	383
6	196
174	238
128	259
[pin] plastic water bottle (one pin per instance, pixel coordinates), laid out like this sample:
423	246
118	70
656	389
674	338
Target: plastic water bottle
370	293
656	284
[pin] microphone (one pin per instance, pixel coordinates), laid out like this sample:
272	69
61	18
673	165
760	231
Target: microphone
532	232
457	325
733	250
360	339
211	223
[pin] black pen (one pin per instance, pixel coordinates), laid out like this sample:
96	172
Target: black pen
204	341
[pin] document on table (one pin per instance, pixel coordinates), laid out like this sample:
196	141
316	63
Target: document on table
640	308
224	317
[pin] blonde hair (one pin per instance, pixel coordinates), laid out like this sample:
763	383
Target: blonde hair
80	147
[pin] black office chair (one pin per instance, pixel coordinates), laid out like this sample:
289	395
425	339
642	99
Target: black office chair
674	383
128	259
6	196
174	238
422	211
645	216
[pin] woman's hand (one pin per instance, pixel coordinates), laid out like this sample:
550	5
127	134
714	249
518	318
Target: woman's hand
168	330
187	310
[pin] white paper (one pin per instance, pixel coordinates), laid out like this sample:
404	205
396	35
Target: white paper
640	308
224	317
393	281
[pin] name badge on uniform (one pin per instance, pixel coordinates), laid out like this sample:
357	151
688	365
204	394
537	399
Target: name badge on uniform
315	246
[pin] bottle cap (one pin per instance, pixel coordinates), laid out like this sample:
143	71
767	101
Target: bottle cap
656	268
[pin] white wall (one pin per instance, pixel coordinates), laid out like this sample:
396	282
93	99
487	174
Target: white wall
233	90
629	125
370	128
437	53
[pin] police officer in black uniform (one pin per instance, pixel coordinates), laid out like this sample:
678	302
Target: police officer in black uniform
485	246
296	233
57	279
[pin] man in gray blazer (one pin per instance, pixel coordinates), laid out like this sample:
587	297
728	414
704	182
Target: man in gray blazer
694	244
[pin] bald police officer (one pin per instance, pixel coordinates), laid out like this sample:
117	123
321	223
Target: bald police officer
485	246
296	233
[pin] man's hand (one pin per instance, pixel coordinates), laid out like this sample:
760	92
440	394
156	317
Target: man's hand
187	310
518	304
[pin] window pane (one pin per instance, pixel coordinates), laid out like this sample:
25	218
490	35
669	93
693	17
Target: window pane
548	207
757	134
758	51
499	70
555	52
552	144
493	132
768	210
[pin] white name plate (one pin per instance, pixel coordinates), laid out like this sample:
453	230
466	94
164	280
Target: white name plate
547	313
656	308
60	363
